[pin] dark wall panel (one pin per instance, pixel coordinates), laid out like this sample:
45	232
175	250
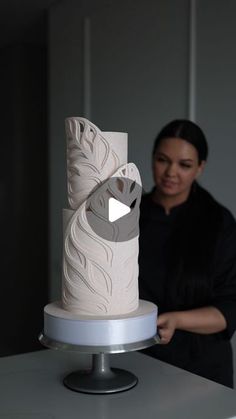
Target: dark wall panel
23	197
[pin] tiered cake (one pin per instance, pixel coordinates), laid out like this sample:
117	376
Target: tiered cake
100	304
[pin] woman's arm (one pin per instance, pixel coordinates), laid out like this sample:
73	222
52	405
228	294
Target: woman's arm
203	320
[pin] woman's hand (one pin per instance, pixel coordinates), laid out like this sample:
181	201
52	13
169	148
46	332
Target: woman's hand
166	323
204	320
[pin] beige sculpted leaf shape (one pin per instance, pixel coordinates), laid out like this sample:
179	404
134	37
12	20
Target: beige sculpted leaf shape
82	262
90	159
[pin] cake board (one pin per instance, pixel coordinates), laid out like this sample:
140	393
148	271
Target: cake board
100	336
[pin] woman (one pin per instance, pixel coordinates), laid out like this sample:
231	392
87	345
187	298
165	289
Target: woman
187	258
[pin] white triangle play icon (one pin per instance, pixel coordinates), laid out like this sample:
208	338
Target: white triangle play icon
116	209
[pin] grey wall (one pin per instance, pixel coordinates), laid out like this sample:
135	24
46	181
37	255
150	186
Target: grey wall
126	66
139	66
126	72
216	93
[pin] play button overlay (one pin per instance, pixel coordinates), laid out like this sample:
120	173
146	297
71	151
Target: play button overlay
116	210
112	209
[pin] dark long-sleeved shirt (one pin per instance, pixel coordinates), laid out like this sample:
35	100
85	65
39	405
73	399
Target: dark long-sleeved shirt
206	355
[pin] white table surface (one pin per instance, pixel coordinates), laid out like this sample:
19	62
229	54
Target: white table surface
31	388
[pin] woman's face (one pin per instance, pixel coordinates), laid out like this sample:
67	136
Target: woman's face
175	167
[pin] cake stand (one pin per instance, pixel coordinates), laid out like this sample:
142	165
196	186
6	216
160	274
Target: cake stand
100	337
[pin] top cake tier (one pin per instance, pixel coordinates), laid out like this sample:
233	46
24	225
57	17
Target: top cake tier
92	157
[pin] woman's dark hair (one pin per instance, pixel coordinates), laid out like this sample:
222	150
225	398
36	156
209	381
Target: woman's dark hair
188	131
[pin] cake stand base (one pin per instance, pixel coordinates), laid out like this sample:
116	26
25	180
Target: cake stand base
101	379
100	336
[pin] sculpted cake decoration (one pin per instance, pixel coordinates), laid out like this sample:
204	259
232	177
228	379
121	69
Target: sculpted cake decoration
100	306
100	258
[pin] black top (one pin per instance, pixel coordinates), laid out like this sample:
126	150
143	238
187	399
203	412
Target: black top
187	259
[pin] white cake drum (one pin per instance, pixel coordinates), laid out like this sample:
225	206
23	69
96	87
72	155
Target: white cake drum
63	326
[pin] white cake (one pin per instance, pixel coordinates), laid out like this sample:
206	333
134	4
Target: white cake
99	309
100	277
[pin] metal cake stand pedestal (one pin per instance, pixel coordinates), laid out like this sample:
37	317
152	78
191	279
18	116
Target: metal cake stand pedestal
100	336
101	378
